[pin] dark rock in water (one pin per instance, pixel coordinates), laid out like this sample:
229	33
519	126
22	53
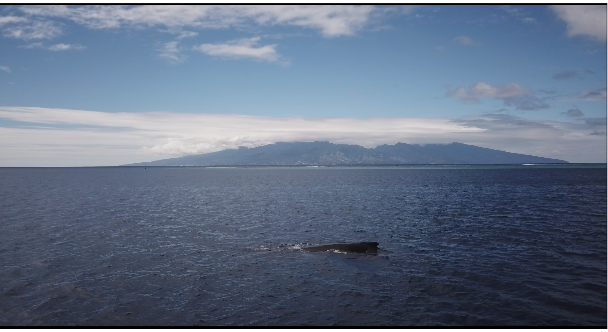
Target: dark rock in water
359	247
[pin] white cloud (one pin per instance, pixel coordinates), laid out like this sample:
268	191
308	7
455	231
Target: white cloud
585	20
330	20
5	68
74	137
242	48
467	41
65	47
11	19
34	30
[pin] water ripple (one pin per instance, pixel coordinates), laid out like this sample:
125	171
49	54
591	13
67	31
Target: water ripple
200	246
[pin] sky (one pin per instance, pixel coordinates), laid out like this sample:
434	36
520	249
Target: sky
112	85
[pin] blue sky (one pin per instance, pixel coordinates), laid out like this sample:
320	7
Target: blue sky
109	85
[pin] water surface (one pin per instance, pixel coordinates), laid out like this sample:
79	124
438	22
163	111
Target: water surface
461	245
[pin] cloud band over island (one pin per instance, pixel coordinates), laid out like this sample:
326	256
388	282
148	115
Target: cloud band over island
63	134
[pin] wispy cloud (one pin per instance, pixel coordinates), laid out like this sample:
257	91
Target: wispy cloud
528	19
484	90
510	9
56	47
171	52
573	113
33	45
565	75
33	30
134	137
332	21
467	41
187	34
518	13
547	92
5	68
11	19
596	122
512	94
583	20
65	47
526	103
546	138
588	95
242	48
158	135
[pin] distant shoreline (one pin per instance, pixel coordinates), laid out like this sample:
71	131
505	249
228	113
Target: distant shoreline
426	166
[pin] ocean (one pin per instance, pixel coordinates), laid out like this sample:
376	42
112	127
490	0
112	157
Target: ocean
466	245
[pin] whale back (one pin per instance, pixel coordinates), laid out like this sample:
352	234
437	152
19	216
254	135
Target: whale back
358	247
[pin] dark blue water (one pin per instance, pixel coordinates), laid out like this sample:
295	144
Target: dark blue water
464	245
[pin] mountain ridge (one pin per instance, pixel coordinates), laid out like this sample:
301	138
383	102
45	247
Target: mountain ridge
325	153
